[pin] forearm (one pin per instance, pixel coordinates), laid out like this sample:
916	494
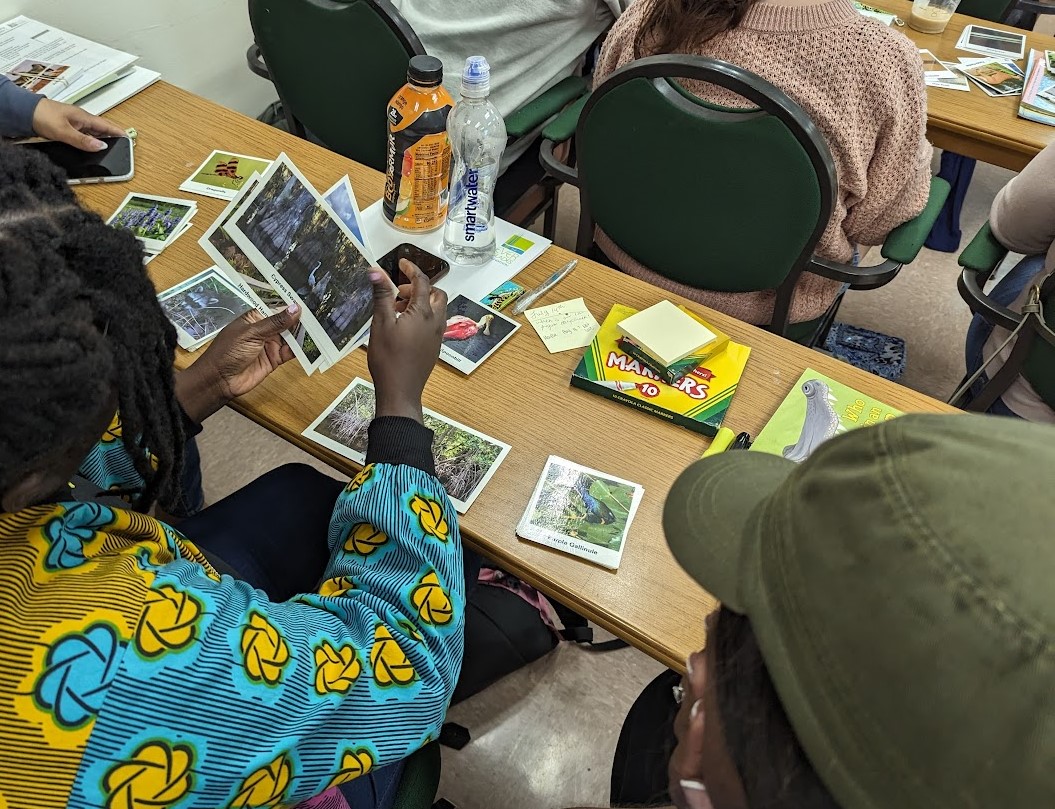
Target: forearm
17	106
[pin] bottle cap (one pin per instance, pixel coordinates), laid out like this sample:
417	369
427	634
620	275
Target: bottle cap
476	77
425	71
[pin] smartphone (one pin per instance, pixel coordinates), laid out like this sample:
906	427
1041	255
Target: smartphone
434	267
112	165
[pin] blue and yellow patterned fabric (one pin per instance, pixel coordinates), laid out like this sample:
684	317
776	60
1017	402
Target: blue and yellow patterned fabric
134	676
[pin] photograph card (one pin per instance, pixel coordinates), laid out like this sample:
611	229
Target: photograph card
473	333
155	221
957	81
241	271
201	306
465	458
992	42
297	242
223	174
1049	61
341	198
995	77
933	68
581	511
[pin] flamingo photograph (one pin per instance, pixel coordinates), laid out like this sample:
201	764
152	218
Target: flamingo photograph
473	332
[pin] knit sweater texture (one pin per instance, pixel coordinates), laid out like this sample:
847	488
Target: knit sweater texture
862	84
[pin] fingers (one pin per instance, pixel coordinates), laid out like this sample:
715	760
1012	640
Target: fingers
384	308
266	327
98	125
438	302
420	288
84	141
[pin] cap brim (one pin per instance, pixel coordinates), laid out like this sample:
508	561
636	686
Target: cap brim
709	511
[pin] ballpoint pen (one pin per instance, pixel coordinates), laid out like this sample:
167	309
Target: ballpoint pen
532	296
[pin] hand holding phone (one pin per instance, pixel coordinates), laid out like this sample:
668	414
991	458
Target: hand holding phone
113	164
434	267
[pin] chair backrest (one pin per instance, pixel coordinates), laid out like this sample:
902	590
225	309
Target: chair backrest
719	199
992	10
335	66
1039	367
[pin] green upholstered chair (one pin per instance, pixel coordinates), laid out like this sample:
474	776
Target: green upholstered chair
421	779
1033	356
714	198
336	64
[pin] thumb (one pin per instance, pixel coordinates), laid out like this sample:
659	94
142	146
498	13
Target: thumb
84	141
276	324
384	300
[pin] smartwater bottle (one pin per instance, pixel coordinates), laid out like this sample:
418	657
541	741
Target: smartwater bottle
477	135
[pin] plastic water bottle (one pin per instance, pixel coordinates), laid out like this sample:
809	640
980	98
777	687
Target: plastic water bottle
477	135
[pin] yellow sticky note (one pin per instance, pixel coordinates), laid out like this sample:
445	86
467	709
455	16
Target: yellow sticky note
564	326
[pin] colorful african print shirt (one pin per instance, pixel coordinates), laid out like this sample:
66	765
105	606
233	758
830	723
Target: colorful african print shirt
134	676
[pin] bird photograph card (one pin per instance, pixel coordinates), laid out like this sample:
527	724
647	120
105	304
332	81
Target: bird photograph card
995	77
465	458
300	245
473	333
155	221
581	511
223	174
201	306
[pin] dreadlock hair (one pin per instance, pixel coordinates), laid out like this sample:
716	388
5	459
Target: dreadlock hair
78	319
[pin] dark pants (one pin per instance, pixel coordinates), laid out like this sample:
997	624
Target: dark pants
646	742
273	535
1004	293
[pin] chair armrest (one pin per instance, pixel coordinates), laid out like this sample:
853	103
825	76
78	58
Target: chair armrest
562	127
255	60
539	110
857	277
904	242
984	253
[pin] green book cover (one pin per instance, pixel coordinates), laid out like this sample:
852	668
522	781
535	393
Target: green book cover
698	402
818	408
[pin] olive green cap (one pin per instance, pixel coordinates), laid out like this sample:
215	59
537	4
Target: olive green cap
901	584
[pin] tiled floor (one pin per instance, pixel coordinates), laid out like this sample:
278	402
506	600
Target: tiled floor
544	737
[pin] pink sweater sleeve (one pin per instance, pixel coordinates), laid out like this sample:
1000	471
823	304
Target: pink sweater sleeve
898	174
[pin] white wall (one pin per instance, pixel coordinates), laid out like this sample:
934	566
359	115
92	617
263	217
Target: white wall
196	44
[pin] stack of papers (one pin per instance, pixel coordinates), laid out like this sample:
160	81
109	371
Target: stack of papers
996	77
1038	93
156	221
941	74
60	66
992	42
281	242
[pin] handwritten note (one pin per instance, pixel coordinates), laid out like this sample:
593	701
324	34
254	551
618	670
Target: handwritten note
564	326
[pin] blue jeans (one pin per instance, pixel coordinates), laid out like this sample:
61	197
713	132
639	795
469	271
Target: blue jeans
1005	293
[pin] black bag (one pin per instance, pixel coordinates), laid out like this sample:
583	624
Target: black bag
646	741
505	630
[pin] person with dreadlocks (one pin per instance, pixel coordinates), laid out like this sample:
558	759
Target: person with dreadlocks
135	674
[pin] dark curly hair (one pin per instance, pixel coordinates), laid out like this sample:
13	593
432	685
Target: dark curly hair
79	319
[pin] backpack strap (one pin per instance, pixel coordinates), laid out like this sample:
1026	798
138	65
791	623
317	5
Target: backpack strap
577	630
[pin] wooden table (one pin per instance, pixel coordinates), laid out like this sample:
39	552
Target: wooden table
975	124
521	395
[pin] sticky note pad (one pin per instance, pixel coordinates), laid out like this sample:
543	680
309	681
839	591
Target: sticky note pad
666	332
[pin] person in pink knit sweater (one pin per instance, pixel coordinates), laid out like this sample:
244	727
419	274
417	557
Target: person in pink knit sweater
860	81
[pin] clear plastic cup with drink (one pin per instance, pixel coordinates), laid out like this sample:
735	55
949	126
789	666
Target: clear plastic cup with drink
931	16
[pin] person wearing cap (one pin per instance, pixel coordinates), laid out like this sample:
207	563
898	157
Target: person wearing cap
886	637
24	114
